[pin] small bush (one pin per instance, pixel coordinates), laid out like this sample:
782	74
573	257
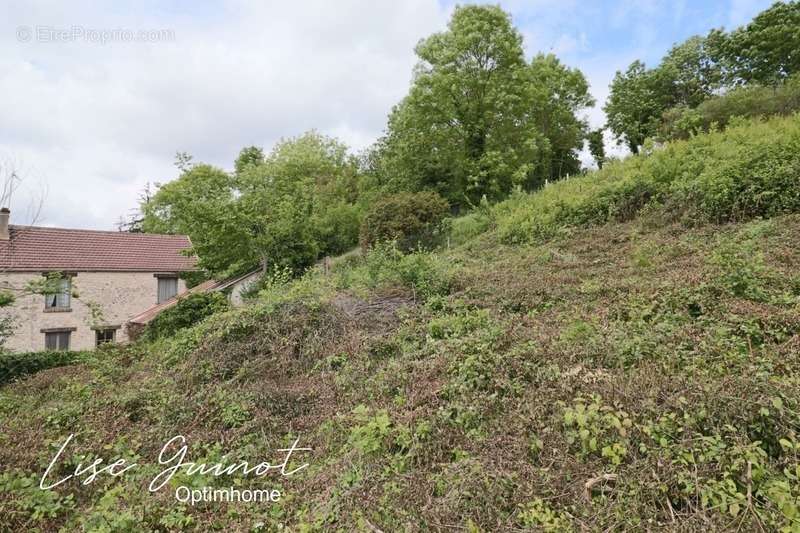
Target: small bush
188	311
740	270
337	228
426	273
412	220
14	365
372	432
597	428
538	514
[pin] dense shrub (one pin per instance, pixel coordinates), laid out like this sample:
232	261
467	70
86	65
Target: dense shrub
749	170
748	101
426	273
410	219
337	228
14	365
188	311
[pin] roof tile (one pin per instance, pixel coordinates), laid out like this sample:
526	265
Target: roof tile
35	248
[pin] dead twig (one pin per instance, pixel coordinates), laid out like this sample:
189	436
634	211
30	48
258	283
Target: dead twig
372	527
591	482
671	510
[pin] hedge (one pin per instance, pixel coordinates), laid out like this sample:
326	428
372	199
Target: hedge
14	365
187	312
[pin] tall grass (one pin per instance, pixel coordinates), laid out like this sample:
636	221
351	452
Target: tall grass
717	112
750	170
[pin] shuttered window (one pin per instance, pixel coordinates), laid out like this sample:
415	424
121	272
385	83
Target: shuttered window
167	288
60	299
56	340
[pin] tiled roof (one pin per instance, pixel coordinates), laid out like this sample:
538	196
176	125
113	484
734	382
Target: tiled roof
35	248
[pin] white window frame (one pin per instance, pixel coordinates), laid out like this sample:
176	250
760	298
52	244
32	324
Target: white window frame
60	300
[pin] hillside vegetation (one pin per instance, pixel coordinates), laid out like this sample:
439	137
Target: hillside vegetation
481	121
616	351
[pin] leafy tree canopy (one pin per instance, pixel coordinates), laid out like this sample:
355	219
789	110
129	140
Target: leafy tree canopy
202	204
597	146
284	209
633	107
302	200
248	156
478	120
558	93
762	52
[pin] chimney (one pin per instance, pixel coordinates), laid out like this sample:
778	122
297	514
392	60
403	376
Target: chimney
5	214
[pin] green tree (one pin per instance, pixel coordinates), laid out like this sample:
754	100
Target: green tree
302	201
558	94
762	52
634	105
248	156
765	50
597	146
202	203
465	129
688	73
282	210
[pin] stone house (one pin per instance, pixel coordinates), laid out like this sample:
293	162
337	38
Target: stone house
233	288
106	278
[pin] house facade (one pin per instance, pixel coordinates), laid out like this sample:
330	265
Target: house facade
233	288
102	279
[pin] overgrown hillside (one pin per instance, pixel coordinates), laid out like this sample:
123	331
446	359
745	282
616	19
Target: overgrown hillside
616	351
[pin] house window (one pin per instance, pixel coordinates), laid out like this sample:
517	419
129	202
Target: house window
104	336
167	288
57	340
61	298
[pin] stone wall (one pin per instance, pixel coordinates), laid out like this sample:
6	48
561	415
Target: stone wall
118	296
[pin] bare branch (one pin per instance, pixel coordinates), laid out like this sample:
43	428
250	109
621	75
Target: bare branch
12	177
9	178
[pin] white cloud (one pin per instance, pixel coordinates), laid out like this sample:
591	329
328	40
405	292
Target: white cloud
570	44
97	121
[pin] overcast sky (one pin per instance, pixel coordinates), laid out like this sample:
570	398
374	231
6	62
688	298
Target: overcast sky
96	97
